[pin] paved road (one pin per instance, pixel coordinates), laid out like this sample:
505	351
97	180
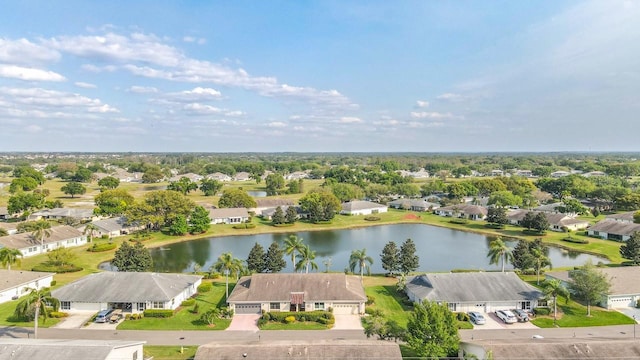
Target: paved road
182	337
617	331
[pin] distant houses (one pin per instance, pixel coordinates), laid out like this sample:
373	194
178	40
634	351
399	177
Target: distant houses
17	283
360	207
228	215
464	211
113	227
611	229
413	204
64	213
557	221
61	237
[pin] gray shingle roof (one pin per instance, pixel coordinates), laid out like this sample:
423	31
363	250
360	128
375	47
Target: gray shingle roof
125	287
625	280
361	205
472	287
627	216
296	349
66	212
466	209
224	213
316	287
23	240
10	279
612	227
50	349
272	202
111	224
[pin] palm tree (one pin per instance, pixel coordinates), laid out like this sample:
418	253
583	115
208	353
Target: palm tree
226	264
90	229
306	257
41	230
554	288
9	257
38	301
359	258
293	244
498	251
541	260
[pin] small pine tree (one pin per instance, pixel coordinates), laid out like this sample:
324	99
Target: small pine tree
199	221
278	216
256	259
631	249
292	215
409	260
274	259
390	258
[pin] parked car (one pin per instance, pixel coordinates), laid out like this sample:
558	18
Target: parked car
103	316
476	318
506	316
521	315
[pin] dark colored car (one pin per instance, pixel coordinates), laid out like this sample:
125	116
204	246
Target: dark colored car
521	315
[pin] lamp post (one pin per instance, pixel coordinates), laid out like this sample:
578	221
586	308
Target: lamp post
634	326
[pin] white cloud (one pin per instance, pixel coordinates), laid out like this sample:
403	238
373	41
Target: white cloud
422	104
84	85
350	120
142	89
191	39
276	124
235	113
431	115
103	109
23	51
197	94
29	74
202	109
451	97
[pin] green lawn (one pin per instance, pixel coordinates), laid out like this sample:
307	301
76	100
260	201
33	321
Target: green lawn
184	319
387	298
169	352
307	325
6	317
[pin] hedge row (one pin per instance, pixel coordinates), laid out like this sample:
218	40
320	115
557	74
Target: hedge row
576	241
158	313
44	267
372	218
315	316
102	247
188	302
58	314
541	311
244	226
205	287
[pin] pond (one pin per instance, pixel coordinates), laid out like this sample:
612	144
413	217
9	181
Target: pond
257	193
439	249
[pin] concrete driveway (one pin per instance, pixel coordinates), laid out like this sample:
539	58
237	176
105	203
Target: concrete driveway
244	322
494	323
347	322
631	312
75	320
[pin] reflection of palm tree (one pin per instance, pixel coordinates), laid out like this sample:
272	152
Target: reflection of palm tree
9	257
498	250
226	264
37	300
554	288
359	258
307	257
41	230
293	244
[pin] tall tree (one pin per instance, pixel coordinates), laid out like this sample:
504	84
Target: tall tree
236	198
278	216
274	259
390	258
73	188
554	288
179	226
210	187
152	174
497	215
159	208
320	205
589	284
274	183
359	258
631	248
409	260
109	183
306	259
432	331
293	245
41	229
256	259
183	186
499	251
226	264
291	215
9	257
135	258
113	202
199	221
36	303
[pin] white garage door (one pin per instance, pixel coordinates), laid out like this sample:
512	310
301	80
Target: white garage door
342	309
248	309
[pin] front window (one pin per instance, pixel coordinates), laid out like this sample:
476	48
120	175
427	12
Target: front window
157	305
319	306
274	306
141	306
65	305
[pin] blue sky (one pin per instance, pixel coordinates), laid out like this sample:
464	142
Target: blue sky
272	76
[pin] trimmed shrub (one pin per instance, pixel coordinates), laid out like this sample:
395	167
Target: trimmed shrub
372	218
370	300
462	316
158	313
283	225
53	283
45	267
99	247
244	226
205	287
188	302
290	319
58	314
104	237
541	311
576	241
459	221
373	312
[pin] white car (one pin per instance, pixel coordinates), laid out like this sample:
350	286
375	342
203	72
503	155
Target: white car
506	316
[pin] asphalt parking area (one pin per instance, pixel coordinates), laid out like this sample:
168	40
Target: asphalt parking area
493	323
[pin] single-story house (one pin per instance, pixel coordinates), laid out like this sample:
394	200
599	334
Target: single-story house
466	211
300	349
191	176
298	292
132	292
61	236
4	213
219	176
552	208
551	349
61	349
242	176
125	176
361	207
557	221
523	173
413	204
474	291
559	173
497	172
63	213
16	283
625	285
613	230
268	213
113	227
268	202
594	174
10	227
626	217
228	215
297	175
